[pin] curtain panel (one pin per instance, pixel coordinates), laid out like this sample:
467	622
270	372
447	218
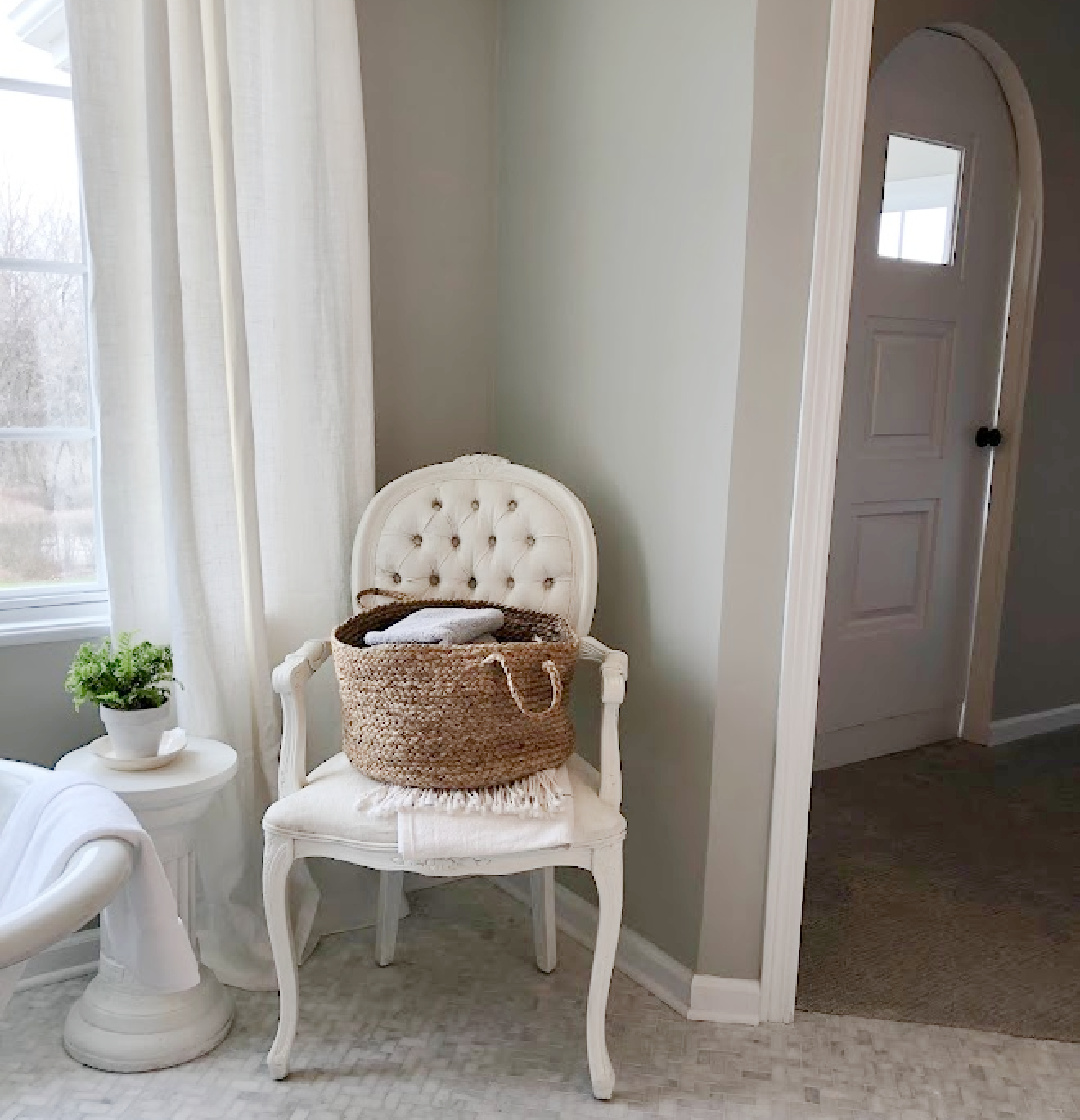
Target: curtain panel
224	179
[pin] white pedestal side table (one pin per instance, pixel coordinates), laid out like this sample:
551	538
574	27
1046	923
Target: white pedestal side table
119	1025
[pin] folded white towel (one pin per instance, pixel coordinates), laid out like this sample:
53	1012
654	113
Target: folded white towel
55	816
434	833
445	625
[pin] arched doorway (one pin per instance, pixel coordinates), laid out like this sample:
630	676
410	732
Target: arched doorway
842	137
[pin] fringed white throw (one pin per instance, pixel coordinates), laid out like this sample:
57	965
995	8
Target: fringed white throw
533	812
535	796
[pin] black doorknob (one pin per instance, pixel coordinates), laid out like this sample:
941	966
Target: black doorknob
988	437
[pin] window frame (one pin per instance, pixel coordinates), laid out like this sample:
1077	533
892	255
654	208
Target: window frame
58	611
916	200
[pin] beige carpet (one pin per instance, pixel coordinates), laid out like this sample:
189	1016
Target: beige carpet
943	886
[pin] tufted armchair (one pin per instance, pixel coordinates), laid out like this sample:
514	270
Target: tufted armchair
478	527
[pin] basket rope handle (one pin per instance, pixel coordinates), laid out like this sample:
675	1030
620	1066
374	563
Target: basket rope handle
553	674
400	596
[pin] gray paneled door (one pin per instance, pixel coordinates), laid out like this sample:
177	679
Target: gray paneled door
933	257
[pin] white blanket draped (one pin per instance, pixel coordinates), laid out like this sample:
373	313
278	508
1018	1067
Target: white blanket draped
223	160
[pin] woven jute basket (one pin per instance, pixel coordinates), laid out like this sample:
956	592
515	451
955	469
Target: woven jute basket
461	716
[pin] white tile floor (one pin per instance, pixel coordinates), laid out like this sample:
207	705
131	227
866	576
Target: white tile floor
464	1026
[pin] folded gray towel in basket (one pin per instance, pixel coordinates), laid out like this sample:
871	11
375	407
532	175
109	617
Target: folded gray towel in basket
448	626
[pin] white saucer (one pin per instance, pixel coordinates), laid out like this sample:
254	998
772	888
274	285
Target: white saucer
172	743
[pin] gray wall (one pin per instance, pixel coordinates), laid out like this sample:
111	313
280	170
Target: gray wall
789	62
429	106
624	164
37	720
1038	662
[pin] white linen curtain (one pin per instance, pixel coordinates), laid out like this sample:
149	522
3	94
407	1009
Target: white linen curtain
223	159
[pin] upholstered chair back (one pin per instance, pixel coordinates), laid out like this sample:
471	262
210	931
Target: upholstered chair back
480	527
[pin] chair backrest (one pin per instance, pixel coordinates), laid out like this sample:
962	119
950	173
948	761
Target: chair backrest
480	528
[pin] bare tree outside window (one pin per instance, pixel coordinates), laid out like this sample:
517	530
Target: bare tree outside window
48	522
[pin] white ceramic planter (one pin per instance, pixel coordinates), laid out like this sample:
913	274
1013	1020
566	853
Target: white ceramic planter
137	734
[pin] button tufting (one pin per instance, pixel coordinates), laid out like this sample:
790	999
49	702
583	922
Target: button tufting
472	583
530	541
512	504
455	542
436	504
549	583
396	577
433	580
491	542
475	504
417	540
509	581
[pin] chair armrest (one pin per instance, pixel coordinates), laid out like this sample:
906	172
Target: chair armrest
614	668
289	680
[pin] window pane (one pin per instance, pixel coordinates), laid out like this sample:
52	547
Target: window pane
926	235
46	512
889	235
32	64
39	185
43	379
922	182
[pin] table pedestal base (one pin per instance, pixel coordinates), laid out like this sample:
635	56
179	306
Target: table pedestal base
122	1027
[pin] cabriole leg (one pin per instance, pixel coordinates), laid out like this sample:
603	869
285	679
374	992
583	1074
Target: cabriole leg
278	857
607	870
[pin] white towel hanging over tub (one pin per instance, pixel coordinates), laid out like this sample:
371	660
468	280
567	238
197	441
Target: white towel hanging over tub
55	816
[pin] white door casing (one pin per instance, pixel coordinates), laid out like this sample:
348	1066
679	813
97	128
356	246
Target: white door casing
923	370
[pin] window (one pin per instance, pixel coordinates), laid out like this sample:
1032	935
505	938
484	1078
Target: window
51	570
918	204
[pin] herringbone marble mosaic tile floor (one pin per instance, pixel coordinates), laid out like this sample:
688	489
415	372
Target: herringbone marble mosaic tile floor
464	1026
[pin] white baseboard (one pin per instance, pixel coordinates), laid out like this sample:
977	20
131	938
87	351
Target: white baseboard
76	955
640	959
721	999
1009	730
714	999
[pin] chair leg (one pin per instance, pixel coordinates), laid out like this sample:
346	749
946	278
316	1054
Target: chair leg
278	857
391	885
607	870
542	883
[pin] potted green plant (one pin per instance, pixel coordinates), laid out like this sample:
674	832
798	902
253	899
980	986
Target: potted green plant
132	685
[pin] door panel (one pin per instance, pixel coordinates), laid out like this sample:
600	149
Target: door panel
891	553
924	361
909	376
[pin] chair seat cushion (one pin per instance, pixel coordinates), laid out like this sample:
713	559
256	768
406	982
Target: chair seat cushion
325	808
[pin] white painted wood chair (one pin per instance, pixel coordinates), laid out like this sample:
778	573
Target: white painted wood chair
476	528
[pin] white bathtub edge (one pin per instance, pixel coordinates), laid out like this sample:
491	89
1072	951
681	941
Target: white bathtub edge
76	955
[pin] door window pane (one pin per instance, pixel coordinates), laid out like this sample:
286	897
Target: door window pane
889	235
46	512
919	200
43	379
926	235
